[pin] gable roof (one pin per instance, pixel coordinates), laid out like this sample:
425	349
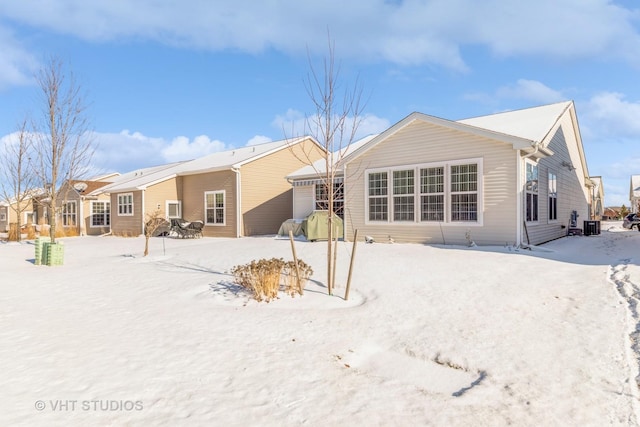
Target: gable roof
237	157
533	124
222	160
136	179
522	129
89	186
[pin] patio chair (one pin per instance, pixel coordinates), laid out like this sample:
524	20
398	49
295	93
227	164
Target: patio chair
189	229
195	228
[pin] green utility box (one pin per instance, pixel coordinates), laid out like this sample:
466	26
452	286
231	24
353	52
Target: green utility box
54	253
40	255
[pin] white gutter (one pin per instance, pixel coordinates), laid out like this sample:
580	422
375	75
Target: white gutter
236	170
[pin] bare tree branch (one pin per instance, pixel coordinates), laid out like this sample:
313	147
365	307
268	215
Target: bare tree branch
64	140
18	175
334	125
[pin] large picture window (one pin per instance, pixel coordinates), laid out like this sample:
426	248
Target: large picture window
125	204
378	202
100	214
531	192
432	194
403	195
442	193
214	207
464	192
553	196
69	214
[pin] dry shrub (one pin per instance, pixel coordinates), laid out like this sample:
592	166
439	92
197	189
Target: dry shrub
263	277
31	232
70	232
13	232
290	276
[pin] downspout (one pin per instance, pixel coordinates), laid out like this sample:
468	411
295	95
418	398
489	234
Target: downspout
142	211
81	218
345	205
520	183
236	170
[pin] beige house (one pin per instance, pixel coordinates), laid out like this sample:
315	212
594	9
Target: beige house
236	193
309	183
8	213
597	198
83	211
634	194
518	177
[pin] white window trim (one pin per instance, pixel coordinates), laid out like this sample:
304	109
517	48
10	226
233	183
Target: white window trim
92	213
27	214
3	216
67	214
447	194
118	204
173	202
529	161
224	208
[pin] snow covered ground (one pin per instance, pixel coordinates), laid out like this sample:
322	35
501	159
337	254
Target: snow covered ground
430	335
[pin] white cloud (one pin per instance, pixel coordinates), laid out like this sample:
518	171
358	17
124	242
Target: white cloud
408	32
258	139
181	148
531	90
608	113
17	65
296	123
126	151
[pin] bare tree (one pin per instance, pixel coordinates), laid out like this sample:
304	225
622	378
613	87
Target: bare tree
154	221
334	125
64	141
18	178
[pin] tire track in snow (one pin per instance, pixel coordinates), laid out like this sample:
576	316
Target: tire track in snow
630	293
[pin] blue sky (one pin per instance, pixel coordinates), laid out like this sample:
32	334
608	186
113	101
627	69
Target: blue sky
170	80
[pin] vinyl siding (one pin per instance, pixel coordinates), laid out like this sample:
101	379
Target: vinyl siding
571	188
10	211
420	143
96	231
156	196
267	197
127	225
303	201
193	189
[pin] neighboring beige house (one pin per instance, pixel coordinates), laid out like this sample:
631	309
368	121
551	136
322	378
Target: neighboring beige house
309	186
8	213
597	198
81	210
509	178
236	193
634	194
